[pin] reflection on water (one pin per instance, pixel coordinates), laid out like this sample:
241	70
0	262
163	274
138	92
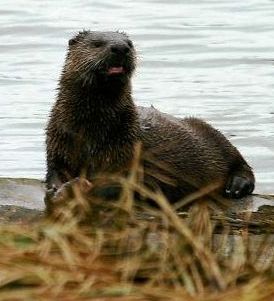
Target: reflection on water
212	59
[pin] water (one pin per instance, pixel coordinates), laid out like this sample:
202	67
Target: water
212	59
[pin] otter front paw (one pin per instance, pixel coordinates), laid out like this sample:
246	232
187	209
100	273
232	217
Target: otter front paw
238	187
57	198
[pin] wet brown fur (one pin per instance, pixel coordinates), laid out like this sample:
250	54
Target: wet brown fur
94	126
197	154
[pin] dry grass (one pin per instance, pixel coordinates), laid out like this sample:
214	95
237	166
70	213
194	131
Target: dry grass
126	250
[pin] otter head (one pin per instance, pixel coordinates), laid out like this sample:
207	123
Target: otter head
104	57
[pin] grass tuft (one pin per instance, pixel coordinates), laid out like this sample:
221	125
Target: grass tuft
92	249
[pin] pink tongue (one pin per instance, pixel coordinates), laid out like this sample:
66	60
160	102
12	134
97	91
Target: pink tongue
115	70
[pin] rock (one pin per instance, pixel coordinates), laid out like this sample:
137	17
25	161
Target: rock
22	200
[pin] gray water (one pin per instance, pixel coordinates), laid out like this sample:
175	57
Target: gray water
212	59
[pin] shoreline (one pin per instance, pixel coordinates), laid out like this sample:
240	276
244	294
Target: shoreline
22	201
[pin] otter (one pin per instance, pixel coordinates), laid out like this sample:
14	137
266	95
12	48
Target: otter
95	125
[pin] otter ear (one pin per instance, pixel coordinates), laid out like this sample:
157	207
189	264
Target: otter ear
73	41
77	38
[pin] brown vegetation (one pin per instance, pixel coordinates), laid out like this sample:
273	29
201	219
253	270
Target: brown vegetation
128	250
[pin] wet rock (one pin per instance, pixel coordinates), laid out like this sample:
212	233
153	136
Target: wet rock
22	200
28	193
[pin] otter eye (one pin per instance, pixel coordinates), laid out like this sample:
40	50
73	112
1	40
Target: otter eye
98	44
130	44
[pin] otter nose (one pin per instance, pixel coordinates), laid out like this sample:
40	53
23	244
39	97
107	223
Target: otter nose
120	48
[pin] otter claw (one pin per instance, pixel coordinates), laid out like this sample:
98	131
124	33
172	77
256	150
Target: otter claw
238	187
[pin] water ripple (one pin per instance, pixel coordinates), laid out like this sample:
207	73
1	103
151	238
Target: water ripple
213	59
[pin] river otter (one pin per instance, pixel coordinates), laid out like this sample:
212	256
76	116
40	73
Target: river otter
94	126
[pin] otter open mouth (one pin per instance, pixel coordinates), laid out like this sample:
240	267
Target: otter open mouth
116	70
